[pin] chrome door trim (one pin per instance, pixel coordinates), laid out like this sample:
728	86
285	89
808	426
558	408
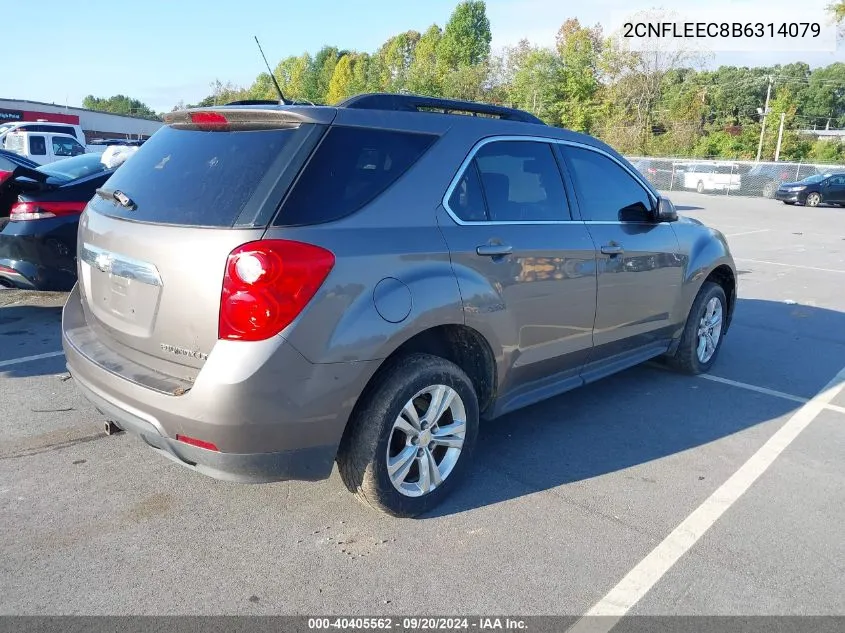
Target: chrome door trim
535	139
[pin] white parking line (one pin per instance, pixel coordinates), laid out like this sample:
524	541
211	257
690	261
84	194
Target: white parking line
766	391
748	233
651	569
26	359
761	261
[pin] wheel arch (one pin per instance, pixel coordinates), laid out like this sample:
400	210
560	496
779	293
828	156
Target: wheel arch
460	344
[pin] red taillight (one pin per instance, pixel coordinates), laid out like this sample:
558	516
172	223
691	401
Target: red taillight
37	210
652	170
4	176
209	446
267	284
209	120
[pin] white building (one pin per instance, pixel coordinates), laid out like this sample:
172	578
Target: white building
94	124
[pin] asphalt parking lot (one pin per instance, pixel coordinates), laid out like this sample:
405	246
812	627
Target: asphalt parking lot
599	499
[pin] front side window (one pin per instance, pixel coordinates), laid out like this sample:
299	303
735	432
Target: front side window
66	147
606	192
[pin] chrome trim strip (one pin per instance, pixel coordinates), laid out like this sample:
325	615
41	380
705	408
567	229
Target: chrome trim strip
535	139
120	265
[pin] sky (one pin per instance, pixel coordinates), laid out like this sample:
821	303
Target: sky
163	52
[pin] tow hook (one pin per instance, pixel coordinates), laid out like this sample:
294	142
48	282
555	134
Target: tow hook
111	428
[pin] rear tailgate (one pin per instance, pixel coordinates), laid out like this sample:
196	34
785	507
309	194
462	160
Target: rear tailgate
154	242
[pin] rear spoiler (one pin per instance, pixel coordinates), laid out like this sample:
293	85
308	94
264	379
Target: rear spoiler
25	172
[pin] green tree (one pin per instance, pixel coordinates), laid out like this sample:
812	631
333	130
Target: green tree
466	38
783	103
324	64
579	49
535	79
822	102
119	104
340	85
423	74
392	62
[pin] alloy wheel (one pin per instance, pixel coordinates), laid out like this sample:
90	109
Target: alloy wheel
709	330
426	440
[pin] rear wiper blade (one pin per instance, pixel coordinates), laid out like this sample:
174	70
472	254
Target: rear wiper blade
117	196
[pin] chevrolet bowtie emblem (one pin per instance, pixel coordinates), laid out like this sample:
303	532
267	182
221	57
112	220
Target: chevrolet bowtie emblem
103	262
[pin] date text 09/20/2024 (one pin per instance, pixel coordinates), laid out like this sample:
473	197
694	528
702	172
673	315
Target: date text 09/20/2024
416	624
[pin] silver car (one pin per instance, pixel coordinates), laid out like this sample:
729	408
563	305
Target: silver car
265	290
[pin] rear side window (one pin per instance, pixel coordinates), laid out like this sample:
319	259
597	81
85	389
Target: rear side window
511	181
522	182
37	146
198	178
349	169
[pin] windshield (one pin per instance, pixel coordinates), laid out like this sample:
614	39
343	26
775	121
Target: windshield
76	167
814	178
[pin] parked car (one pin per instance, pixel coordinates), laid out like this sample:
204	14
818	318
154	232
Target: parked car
712	177
100	144
43	148
378	277
41	126
764	180
660	173
38	240
9	160
812	191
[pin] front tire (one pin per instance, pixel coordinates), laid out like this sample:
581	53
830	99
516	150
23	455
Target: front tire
813	199
700	187
407	446
702	336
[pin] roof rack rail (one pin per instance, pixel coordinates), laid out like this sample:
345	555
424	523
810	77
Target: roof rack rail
417	103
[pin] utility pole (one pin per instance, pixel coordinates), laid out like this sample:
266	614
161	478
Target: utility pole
764	112
780	135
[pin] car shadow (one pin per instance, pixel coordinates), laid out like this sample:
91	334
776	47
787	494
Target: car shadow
643	414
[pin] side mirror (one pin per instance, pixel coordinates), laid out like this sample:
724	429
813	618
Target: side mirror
666	211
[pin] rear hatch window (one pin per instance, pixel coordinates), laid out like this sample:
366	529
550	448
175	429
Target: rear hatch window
201	178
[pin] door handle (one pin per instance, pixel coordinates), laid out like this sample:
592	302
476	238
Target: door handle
494	250
612	249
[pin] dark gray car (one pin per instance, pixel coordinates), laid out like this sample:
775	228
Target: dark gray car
267	290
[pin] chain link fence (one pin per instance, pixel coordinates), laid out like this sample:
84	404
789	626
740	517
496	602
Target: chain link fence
729	177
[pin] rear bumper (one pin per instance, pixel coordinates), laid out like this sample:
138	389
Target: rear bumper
18	274
313	463
273	415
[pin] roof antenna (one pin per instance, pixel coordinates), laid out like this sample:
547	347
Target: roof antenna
282	99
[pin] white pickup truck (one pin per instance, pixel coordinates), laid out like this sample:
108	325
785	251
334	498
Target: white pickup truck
43	147
711	176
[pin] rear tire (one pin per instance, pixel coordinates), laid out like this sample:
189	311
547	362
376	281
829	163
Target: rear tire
694	355
395	430
700	187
